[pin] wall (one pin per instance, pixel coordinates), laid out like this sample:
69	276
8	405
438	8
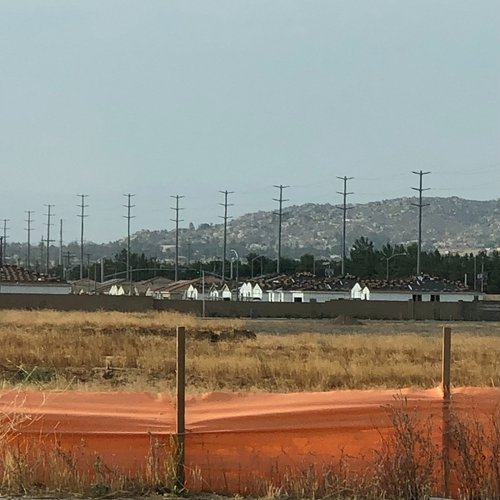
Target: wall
366	309
18	288
355	308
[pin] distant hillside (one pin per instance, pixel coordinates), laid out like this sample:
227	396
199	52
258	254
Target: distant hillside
449	224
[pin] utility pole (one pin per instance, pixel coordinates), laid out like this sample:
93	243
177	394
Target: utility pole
188	252
4	248
60	242
42	255
29	228
420	205
68	264
1	251
48	241
176	220
129	207
225	217
88	266
280	200
82	216
344	209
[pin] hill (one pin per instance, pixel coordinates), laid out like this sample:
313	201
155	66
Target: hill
449	224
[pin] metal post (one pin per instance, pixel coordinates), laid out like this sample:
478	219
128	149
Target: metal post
29	221
82	216
420	205
128	206
280	200
180	429
344	209
176	220
225	218
48	241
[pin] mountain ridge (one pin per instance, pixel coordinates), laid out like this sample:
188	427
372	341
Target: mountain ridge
450	224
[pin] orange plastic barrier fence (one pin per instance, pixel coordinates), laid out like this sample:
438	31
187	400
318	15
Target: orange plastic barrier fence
234	442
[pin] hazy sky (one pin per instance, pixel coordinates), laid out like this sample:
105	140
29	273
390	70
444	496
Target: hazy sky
168	97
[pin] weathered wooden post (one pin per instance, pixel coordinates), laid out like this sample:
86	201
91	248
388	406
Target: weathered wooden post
180	427
446	385
446	360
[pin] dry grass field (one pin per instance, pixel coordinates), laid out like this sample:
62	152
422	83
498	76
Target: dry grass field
48	349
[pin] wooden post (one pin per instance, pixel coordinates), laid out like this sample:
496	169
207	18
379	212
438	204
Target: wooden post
446	385
446	360
180	427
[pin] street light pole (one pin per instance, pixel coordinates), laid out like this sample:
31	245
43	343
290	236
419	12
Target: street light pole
387	263
237	262
261	265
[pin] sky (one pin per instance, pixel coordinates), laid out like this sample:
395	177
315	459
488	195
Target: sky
177	97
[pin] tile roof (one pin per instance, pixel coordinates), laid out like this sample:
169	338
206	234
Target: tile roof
19	274
309	282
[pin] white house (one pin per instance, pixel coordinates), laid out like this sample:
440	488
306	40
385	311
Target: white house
245	291
120	289
192	293
360	292
420	289
257	292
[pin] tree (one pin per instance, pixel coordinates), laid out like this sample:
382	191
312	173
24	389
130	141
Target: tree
364	261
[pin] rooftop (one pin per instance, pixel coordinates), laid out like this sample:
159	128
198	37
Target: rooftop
19	274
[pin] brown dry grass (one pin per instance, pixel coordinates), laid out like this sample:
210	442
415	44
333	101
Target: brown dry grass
67	350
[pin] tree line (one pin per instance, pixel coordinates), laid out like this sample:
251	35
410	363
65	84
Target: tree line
480	271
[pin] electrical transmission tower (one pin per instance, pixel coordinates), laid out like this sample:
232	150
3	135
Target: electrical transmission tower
176	220
225	218
82	216
29	221
344	209
129	207
48	241
420	205
280	200
5	235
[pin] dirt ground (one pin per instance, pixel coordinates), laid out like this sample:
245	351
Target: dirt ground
351	326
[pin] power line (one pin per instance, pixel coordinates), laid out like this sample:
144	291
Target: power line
225	217
344	209
48	241
280	200
420	205
129	207
82	216
29	229
176	220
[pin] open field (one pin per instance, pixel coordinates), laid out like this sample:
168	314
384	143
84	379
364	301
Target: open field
48	349
229	432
